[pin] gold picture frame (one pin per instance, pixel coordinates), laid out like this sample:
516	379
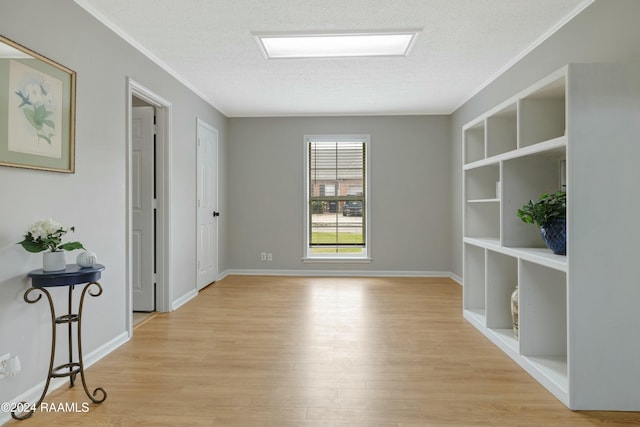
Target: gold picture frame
37	110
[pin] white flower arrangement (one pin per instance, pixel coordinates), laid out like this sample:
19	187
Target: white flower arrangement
47	235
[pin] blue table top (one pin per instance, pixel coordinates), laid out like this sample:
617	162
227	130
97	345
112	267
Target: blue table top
73	274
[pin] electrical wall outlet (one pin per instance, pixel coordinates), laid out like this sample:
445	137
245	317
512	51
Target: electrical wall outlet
9	366
4	365
14	366
263	256
269	256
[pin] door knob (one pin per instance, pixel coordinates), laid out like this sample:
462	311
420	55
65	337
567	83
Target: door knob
216	213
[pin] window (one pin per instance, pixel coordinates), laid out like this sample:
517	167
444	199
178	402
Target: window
336	205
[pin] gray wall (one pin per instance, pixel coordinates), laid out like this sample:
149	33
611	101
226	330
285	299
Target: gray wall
92	199
605	31
410	191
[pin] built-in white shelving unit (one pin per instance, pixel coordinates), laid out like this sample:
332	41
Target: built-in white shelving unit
577	130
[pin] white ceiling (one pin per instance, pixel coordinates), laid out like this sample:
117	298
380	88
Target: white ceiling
208	45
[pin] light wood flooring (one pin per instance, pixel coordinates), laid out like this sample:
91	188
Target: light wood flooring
141	317
316	352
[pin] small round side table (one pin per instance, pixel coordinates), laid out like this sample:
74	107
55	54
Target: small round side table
72	275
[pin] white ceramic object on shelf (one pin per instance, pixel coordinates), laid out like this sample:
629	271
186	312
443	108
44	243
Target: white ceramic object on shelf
86	259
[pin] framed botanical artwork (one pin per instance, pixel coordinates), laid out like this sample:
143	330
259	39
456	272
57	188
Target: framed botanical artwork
37	110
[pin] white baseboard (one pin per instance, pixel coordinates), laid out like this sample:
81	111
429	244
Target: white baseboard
184	299
105	349
33	394
456	278
340	273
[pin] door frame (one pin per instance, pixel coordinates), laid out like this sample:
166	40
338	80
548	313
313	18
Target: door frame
164	253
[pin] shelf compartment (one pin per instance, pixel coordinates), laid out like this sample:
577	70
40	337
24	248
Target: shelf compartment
482	209
502	131
480	183
474	286
474	143
506	340
552	369
477	317
482	220
501	281
542	114
543	318
524	179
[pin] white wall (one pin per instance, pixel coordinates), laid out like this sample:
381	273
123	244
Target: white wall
409	191
606	31
92	199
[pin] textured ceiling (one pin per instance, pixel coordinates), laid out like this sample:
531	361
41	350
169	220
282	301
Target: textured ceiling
208	45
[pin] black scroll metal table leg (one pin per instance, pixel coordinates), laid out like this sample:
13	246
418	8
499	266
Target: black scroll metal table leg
30	300
72	376
96	293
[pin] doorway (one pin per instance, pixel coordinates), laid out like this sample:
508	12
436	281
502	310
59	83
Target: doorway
207	204
148	227
143	208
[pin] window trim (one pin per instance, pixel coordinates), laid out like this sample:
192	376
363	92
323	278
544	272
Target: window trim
365	256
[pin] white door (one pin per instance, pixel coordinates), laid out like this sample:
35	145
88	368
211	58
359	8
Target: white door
207	204
142	183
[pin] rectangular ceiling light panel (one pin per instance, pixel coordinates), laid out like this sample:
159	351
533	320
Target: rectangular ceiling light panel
335	45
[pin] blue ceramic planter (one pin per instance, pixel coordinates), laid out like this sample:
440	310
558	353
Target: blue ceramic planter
554	235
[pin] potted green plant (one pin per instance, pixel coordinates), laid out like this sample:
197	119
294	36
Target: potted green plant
46	236
549	213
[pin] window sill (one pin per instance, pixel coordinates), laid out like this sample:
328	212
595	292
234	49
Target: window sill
341	260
